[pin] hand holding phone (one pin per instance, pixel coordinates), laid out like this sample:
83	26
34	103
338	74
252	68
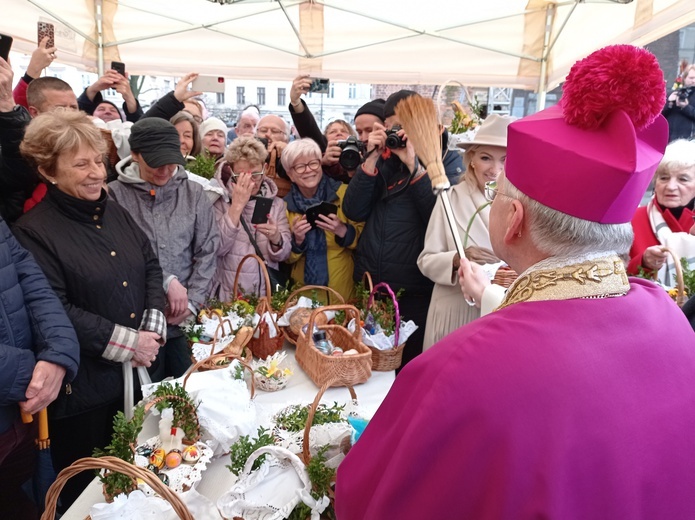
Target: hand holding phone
118	67
323	208
320	85
46	29
261	210
208	84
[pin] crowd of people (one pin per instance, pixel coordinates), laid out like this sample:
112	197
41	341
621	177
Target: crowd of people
107	259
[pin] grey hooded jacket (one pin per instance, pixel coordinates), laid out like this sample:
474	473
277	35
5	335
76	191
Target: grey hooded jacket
179	221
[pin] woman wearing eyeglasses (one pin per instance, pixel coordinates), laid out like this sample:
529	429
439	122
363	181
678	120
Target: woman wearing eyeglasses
439	261
242	174
321	247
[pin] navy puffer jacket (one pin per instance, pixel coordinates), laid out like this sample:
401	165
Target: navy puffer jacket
33	326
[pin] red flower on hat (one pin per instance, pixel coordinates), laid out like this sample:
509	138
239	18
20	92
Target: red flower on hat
618	77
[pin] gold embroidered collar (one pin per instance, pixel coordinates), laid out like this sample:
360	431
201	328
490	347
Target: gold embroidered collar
601	277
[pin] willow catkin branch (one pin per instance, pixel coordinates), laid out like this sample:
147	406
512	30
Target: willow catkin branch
418	117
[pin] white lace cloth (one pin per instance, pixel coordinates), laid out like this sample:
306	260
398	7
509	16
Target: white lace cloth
383	342
182	477
138	506
202	351
272	491
302	303
225	411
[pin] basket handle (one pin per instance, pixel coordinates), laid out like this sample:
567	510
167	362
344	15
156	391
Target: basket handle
117	465
264	273
347	308
215	336
306	455
367	281
304	288
384	285
680	299
221	355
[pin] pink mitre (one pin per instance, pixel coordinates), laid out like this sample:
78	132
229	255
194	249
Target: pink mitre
594	155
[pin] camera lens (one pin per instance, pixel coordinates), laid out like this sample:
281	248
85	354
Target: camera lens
350	157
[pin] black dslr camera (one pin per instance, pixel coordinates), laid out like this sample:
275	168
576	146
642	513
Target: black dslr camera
393	140
351	155
683	94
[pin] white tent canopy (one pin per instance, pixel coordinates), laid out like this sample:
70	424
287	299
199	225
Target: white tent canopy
499	42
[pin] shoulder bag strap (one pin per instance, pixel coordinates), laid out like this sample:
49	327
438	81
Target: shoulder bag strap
253	241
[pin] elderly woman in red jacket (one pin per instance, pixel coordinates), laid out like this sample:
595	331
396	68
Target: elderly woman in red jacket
667	221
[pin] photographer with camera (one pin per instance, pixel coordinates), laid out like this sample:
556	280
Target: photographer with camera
341	146
680	108
392	194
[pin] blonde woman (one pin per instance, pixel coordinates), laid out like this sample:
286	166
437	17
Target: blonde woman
439	261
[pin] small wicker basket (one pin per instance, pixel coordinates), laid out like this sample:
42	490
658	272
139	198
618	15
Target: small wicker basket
198	367
335	370
682	296
117	465
386	360
263	345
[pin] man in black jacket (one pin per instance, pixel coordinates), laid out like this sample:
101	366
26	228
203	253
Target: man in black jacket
392	194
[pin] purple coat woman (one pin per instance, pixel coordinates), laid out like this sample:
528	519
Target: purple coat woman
243	176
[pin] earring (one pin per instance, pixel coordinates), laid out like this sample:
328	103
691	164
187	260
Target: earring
519	234
54	183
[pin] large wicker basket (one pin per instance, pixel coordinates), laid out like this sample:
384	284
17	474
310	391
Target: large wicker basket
300	317
117	465
235	349
335	370
263	345
386	360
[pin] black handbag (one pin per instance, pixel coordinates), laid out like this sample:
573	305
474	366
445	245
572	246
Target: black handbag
278	279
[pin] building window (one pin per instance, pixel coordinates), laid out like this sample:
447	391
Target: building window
281	97
260	96
352	91
220	98
240	96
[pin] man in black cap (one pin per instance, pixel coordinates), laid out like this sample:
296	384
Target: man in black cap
178	218
392	194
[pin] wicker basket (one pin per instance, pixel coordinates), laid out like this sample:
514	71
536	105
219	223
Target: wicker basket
189	408
386	360
235	349
300	317
263	345
117	465
681	297
335	370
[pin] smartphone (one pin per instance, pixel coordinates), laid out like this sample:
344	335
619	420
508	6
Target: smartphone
320	85
323	208
46	29
261	211
208	84
5	46
118	67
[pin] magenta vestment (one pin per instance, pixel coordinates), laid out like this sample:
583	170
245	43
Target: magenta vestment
572	410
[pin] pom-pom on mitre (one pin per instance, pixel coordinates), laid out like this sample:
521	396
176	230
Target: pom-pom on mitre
618	77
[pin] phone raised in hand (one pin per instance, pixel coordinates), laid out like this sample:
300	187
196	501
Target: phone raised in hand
5	46
46	29
208	84
323	208
320	85
118	67
261	210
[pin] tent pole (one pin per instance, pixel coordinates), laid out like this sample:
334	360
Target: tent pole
543	78
98	17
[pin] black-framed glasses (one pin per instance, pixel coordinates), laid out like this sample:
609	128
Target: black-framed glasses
302	168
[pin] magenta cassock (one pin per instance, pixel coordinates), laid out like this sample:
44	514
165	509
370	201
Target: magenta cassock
574	410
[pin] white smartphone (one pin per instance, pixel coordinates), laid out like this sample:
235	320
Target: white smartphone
208	84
